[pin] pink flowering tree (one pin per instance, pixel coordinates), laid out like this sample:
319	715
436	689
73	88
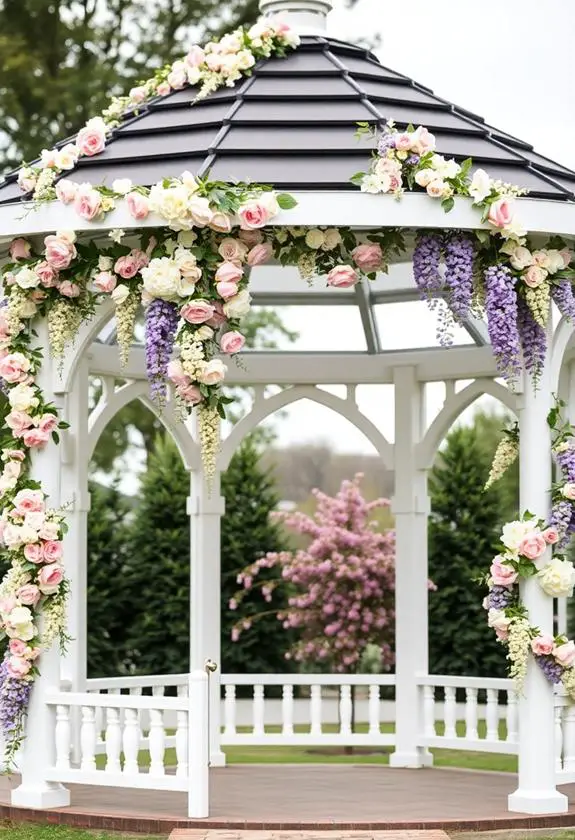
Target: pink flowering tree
341	587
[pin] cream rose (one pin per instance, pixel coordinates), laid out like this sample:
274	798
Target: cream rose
161	278
557	578
238	305
314	238
212	372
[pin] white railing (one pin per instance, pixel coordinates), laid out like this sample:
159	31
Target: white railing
105	731
564	740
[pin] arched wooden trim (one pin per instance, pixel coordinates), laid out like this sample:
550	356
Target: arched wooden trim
559	344
86	334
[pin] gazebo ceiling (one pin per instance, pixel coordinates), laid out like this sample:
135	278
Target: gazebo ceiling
292	124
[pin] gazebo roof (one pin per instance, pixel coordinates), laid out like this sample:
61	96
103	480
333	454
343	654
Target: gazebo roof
292	124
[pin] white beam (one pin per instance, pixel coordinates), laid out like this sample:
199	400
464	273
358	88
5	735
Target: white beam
335	208
433	365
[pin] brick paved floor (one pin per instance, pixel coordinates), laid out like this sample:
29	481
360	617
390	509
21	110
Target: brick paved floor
278	796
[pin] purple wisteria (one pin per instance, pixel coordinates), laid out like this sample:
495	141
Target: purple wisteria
552	670
14	699
565	460
501	306
426	260
533	340
459	256
560	519
563	297
161	325
500	597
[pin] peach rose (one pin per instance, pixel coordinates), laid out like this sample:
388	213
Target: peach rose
342	277
138	94
197	311
138	205
501	212
19	249
91	139
221	222
190	393
532	546
259	254
534	276
542	645
368	256
163	89
219	316
195	56
226	290
105	281
565	654
232	250
69	289
232	342
567	255
49	578
47	274
251	237
60	251
212	372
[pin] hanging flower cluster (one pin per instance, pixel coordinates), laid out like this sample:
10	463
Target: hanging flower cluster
525	545
505	455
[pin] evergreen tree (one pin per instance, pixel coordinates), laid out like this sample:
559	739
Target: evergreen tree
463	537
109	601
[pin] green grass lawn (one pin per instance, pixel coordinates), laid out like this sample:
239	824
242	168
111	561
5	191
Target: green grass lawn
32	831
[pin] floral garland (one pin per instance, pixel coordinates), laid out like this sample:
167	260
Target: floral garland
524	543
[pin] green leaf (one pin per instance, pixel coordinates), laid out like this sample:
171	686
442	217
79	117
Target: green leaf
448	204
357	178
55	437
286	201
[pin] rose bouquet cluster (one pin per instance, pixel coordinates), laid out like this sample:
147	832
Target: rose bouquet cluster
219	63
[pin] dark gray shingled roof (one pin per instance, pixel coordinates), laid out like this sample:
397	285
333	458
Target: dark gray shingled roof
292	124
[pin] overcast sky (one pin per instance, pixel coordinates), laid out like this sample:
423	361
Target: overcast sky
511	62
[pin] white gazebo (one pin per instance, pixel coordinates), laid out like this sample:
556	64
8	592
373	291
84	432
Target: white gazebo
291	124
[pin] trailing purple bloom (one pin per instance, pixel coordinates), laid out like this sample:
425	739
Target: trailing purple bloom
14	699
413	160
501	307
459	255
560	519
565	460
533	340
552	670
386	142
426	259
500	597
562	294
161	325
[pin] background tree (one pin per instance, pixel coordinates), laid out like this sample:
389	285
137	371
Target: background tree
463	536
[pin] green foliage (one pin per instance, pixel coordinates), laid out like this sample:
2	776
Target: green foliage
110	602
463	537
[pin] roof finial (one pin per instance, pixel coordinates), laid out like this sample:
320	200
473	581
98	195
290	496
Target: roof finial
305	16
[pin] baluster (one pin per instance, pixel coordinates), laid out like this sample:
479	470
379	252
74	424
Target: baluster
62	737
471	714
158	690
157	743
511	717
100	723
287	710
88	739
345	710
113	741
182	744
315	710
259	710
230	710
131	741
569	739
558	739
182	691
450	713
374	710
492	716
428	711
137	692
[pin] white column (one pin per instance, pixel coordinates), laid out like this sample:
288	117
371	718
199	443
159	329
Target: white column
410	507
205	509
536	791
39	749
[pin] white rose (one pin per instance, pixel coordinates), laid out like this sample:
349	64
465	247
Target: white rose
314	238
204	333
28	534
189	181
238	305
194	75
437	188
12	469
67	235
7	483
122	185
498	620
568	490
21	631
520	257
67	157
171	203
445	168
186	238
374	184
554	261
105	263
557	578
270	202
20	615
199	209
332	238
424	177
22	397
514	532
49	531
187	263
28	309
120	294
186	286
11	536
26	278
245	60
161	278
35	519
212	372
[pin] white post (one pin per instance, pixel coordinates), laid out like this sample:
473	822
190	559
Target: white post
536	791
198	777
39	749
205	510
410	508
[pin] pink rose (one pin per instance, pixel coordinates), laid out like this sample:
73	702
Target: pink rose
34	553
138	94
190	393
66	191
502	574
195	57
197	311
18	421
567	255
176	373
402	141
19	249
127	266
565	654
342	277
17	667
16	646
163	89
14	367
105	281
35	437
88	203
59	251
138	205
232	250
28	595
177	78
534	276
251	237
232	342
542	645
52	550
226	289
259	254
49	578
422	141
253	214
501	212
532	546
551	536
48	423
7	605
368	256
228	273
92	138
29	501
69	289
219	317
47	274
